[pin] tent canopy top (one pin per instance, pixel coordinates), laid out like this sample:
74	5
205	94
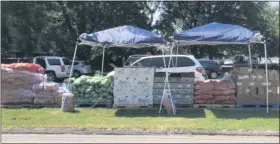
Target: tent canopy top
217	33
122	36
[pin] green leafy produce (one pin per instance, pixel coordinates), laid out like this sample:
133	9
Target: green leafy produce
88	89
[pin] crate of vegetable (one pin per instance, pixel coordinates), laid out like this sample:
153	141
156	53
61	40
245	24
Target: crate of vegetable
93	90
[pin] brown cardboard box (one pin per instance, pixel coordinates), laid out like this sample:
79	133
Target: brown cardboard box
261	91
253	77
250	84
243	83
273	83
271	76
254	91
250	100
259	71
258	98
248	91
243	77
276	76
261	77
245	70
240	90
259	83
272	90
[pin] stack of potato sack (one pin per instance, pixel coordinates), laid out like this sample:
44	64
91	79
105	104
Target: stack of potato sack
48	93
214	92
17	82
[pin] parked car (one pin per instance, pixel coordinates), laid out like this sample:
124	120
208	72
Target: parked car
80	68
55	67
179	63
132	59
242	59
228	61
213	69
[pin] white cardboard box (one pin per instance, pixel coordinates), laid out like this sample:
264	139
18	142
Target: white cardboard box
133	86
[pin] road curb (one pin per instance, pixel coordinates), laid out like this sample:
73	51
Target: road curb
84	131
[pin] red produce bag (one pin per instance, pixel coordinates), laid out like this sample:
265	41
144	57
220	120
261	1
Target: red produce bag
222	85
24	67
204	101
224	92
204	85
203	97
226	99
203	92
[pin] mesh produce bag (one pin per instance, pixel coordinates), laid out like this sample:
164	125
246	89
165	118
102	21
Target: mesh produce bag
12	96
204	85
34	68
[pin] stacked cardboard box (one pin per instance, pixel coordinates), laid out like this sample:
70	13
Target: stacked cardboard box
133	87
181	87
251	86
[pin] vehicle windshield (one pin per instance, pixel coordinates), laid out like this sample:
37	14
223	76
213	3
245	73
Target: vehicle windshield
131	60
66	61
85	63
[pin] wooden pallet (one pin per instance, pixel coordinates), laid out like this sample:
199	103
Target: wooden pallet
177	106
132	106
257	106
214	106
30	106
109	105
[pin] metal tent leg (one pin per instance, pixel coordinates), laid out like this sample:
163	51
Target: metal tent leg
250	56
72	65
103	56
266	76
166	81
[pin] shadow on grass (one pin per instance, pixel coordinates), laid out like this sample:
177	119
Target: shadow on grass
186	113
244	113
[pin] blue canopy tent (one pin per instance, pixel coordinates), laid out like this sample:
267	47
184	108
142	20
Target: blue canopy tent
218	33
124	37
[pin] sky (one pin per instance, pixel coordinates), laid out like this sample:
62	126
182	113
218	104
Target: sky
274	3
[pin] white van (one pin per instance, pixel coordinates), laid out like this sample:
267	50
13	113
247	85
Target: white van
178	64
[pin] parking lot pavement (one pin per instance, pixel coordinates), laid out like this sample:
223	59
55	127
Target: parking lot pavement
50	138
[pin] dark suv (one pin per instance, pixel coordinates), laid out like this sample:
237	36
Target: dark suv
212	67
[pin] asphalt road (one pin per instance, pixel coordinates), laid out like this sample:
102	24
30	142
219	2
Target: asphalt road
50	138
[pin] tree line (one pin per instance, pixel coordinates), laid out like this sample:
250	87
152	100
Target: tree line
59	23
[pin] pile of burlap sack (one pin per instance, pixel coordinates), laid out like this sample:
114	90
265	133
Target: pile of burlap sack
168	103
26	87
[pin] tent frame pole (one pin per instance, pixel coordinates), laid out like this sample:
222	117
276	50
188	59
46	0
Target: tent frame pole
103	56
250	57
160	107
266	76
166	81
177	57
72	65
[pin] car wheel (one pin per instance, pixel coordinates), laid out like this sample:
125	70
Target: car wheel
213	75
76	74
51	76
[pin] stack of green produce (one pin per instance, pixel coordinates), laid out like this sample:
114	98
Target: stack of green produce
88	89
